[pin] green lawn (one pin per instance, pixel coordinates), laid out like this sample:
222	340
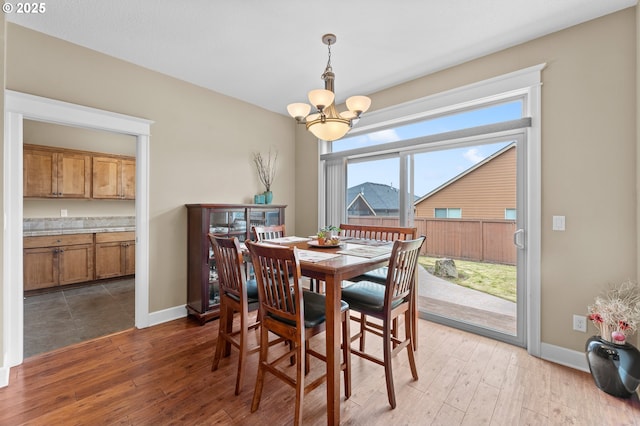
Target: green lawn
498	280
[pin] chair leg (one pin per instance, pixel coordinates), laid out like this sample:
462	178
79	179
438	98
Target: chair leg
264	348
221	343
242	350
306	358
363	323
346	352
394	330
388	371
414	317
409	333
301	369
228	330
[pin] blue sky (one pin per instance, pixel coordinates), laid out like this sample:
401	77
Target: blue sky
436	167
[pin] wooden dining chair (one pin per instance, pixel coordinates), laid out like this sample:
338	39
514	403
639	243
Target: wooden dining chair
261	233
296	315
381	233
387	303
237	295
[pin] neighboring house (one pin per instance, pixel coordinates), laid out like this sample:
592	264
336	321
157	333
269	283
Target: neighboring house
485	191
372	199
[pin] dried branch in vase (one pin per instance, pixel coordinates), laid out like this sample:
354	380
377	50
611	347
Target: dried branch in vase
266	167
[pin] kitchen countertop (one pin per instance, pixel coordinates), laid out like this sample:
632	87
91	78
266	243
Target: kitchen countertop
68	231
35	227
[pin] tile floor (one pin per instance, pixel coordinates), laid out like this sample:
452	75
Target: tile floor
62	318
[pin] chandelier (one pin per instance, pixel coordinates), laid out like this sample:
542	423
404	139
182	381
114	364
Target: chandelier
326	123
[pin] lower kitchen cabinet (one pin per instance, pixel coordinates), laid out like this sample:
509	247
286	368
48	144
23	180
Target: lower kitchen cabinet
115	254
51	261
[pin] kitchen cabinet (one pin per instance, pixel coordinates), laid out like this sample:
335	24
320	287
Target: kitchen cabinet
115	254
114	178
49	173
203	296
51	261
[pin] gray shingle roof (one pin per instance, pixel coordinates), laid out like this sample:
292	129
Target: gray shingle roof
379	196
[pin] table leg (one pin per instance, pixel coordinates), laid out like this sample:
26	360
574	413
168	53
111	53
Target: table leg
333	294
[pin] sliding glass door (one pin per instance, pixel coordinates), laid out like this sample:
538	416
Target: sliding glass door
469	204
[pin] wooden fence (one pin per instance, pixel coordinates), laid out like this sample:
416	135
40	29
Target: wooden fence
480	240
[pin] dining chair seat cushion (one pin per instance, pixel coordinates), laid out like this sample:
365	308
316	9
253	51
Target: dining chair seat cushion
252	292
377	276
365	296
314	310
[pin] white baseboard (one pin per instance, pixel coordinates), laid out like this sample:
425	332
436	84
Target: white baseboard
165	315
564	356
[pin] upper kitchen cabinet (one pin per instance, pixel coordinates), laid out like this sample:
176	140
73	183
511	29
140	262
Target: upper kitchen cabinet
64	173
52	173
114	178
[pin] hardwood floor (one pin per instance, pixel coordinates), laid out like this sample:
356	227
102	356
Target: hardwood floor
161	375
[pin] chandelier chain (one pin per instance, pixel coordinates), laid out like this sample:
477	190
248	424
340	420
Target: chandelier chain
328	67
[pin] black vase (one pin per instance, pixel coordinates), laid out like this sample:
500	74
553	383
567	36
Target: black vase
615	368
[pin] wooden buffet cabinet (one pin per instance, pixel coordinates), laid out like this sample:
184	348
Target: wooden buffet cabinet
225	219
50	172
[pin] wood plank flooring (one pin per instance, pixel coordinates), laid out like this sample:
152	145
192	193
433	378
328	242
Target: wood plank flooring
161	376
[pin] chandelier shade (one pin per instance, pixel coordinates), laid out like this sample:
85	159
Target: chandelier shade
325	122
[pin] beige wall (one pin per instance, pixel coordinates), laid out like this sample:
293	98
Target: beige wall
588	158
201	142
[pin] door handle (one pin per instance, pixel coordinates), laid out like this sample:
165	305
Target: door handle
517	238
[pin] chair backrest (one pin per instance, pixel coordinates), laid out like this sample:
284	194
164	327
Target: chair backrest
401	277
228	257
268	232
383	233
276	269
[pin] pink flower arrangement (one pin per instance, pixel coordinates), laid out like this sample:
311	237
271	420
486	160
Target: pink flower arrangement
616	314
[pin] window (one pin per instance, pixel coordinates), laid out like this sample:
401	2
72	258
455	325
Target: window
510	214
448	213
457	120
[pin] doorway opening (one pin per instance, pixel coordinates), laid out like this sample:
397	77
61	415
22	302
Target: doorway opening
75	294
18	107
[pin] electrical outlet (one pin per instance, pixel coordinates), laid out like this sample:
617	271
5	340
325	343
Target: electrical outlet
580	323
63	212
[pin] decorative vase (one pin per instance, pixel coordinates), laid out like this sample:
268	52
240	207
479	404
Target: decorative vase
615	368
258	199
268	197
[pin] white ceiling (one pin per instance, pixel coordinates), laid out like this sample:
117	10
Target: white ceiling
270	53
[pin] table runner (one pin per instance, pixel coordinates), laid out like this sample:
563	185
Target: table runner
367	251
315	256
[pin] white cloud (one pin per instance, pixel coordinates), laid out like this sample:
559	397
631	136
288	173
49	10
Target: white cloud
473	155
388	135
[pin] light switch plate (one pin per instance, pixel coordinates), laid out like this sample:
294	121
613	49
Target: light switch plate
558	223
63	213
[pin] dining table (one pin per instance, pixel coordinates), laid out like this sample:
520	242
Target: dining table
334	264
